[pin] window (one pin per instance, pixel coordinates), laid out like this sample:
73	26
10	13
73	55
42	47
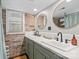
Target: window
14	22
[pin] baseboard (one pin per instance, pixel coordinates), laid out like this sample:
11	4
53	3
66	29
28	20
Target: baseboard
27	56
17	56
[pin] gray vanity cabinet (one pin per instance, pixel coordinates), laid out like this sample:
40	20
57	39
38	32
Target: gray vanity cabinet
37	51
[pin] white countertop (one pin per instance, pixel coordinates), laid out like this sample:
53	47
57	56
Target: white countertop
73	54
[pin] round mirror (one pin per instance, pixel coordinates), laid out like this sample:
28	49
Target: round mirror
41	21
66	15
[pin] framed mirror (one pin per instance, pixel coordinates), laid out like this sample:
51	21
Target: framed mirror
66	15
41	21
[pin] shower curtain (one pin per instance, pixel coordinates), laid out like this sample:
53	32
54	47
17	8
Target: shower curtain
2	42
71	20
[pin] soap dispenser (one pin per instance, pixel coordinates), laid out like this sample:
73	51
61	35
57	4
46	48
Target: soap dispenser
74	40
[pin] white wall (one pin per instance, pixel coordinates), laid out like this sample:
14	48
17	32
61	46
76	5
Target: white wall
54	29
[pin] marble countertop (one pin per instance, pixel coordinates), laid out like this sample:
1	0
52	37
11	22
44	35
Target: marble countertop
73	54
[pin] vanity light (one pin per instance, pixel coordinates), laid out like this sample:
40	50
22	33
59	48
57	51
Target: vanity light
68	0
35	9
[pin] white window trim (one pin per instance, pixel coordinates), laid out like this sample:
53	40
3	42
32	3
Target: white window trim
7	27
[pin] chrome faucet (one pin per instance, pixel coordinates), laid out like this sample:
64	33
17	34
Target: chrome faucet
61	37
36	33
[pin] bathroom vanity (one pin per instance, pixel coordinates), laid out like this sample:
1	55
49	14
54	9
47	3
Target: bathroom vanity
37	48
36	51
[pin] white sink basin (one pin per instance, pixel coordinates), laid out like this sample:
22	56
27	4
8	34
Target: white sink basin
59	45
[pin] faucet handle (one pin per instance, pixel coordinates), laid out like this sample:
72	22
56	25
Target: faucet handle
66	40
56	38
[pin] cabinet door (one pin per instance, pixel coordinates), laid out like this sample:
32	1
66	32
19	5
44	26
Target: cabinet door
38	54
26	45
42	53
30	46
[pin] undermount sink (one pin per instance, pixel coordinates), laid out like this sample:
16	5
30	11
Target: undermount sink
47	37
61	46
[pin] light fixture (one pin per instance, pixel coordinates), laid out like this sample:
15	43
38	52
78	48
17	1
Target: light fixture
35	9
68	0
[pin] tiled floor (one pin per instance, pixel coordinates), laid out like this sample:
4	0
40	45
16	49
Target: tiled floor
21	57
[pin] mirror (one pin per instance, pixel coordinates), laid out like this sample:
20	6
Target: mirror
41	21
66	15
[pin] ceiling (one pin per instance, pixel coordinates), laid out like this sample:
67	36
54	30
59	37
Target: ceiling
27	5
69	8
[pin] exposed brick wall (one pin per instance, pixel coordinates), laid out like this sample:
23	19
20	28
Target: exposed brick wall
16	44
